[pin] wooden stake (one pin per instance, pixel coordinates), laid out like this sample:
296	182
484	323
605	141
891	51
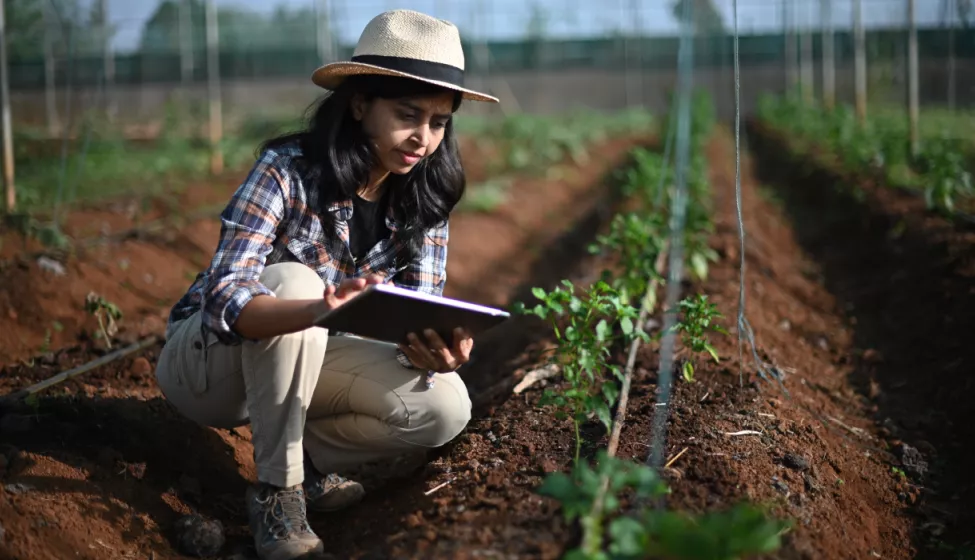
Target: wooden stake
791	75
860	62
111	104
50	76
213	88
912	77
806	61
620	417
324	34
5	116
829	62
185	42
952	72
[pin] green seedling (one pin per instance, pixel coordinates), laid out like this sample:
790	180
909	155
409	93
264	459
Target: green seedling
585	326
697	321
650	532
107	313
636	242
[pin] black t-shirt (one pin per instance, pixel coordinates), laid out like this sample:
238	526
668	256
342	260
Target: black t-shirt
368	225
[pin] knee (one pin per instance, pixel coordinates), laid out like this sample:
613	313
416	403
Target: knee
448	410
293	281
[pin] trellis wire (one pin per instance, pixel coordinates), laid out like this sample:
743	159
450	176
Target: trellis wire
766	371
678	208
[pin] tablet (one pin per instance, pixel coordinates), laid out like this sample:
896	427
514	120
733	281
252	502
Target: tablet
388	313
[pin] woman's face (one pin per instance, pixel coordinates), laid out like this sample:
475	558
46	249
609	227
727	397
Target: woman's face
404	131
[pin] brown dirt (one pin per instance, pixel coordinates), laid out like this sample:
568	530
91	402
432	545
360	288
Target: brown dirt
87	470
903	278
109	467
144	272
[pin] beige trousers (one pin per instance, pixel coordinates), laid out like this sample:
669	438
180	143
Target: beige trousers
345	400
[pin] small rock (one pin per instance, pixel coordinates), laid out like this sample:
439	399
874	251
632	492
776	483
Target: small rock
913	462
430	535
779	485
16	424
48	359
136	470
199	537
795	462
474	464
141	367
812	486
48	264
872	356
18	488
547	465
414	520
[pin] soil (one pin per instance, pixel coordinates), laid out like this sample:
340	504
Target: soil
103	467
903	277
94	438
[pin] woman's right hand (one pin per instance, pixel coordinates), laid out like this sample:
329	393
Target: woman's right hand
336	296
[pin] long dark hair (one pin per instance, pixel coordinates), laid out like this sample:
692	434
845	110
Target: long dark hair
334	142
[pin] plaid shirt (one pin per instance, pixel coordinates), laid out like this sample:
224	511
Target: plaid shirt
274	217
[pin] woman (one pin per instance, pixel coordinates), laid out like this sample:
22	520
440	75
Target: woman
361	196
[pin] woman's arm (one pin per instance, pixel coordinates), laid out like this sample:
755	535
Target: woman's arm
267	316
236	305
248	228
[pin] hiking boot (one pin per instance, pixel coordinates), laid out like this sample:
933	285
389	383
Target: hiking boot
279	523
329	492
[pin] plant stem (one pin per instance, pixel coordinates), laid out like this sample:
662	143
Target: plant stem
101	326
578	440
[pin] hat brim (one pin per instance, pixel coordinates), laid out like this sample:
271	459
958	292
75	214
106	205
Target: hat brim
331	76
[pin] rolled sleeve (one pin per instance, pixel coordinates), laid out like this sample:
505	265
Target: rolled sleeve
247	233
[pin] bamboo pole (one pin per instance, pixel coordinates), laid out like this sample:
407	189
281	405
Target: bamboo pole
185	43
50	76
806	59
323	31
108	62
860	62
791	74
952	70
829	60
913	100
213	88
5	116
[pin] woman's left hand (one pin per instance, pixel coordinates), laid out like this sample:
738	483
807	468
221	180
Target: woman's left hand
434	354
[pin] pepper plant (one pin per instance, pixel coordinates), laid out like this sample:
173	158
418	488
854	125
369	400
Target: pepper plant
650	532
585	325
697	319
636	241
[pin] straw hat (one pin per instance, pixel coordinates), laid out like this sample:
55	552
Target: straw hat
406	44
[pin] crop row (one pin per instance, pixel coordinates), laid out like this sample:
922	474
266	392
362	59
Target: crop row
590	322
879	147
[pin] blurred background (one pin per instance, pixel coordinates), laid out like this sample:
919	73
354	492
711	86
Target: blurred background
89	77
